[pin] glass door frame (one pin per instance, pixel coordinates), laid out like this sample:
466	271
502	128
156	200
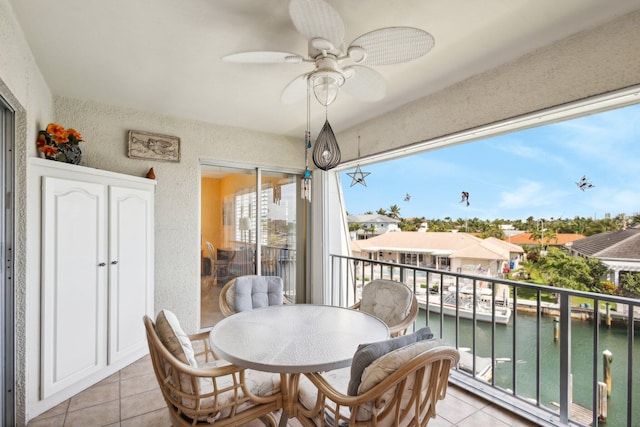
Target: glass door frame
299	287
7	250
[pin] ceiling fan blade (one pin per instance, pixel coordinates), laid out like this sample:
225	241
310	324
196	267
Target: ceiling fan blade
263	57
296	90
365	83
394	45
317	19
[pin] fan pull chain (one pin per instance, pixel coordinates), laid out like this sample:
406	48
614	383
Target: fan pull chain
306	178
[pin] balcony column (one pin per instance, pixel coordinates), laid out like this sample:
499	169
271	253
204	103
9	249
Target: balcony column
329	235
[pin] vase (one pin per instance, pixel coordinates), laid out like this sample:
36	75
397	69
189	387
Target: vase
68	154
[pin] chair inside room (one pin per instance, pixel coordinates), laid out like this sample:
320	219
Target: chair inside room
400	388
392	302
249	292
220	266
213	392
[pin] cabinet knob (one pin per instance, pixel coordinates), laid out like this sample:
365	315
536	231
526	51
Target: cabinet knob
114	262
102	264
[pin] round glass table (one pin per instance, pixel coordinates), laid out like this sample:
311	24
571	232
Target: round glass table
295	338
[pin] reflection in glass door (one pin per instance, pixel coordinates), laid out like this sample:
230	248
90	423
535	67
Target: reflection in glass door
248	226
277	220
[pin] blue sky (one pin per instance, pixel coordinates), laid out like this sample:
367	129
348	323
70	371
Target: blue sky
514	176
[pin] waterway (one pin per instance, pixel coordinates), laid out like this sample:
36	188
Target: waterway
523	330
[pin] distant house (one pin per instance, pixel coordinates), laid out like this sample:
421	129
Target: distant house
372	225
460	252
490	254
619	250
556	240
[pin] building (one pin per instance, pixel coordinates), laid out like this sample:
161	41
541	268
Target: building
371	225
619	250
107	69
460	252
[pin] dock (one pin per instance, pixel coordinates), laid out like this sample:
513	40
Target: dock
579	413
577	312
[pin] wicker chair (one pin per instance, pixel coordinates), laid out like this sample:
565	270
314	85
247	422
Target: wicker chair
218	393
219	267
392	302
227	299
406	397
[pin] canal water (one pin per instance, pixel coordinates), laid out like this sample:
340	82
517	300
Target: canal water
614	339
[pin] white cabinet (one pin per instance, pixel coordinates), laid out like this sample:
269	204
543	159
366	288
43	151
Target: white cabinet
97	269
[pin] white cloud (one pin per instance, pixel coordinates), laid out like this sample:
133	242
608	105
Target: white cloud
529	194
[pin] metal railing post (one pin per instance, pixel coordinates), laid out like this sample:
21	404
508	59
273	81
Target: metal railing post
565	358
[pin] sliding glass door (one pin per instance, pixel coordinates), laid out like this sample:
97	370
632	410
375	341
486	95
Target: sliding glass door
249	224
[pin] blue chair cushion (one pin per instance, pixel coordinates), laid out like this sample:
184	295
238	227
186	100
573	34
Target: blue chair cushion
257	291
367	353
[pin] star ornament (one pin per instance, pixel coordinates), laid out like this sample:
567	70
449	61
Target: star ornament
358	176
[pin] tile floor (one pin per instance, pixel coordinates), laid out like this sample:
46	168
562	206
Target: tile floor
131	397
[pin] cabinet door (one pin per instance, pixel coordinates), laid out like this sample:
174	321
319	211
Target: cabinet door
131	255
73	282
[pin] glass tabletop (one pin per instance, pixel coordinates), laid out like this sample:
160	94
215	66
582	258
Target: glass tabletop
295	338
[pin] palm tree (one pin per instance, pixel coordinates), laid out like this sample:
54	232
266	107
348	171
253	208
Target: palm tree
394	211
370	229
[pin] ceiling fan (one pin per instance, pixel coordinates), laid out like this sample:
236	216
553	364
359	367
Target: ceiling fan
335	66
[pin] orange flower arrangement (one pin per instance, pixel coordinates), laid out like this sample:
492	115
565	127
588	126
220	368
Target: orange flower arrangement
56	140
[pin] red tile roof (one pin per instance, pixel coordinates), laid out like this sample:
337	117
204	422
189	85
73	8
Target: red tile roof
558	239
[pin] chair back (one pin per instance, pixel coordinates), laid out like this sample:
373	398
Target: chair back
409	395
212	253
265	291
200	396
392	302
404	391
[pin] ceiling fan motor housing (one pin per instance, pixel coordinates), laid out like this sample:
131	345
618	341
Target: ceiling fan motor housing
327	68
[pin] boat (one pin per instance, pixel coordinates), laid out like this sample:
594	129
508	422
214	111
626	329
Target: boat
483	306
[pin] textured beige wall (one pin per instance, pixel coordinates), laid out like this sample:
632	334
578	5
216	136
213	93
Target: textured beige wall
177	207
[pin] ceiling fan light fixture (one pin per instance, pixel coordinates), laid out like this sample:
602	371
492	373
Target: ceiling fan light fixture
325	85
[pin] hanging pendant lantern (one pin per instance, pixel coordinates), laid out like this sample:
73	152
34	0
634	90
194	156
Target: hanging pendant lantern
326	153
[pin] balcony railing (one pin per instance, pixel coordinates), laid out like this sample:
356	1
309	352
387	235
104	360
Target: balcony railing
563	357
275	260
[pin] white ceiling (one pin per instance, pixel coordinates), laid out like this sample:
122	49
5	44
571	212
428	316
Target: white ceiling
164	55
